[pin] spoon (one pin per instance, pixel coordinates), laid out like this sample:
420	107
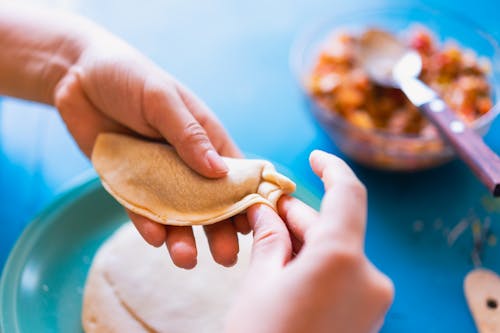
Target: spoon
389	63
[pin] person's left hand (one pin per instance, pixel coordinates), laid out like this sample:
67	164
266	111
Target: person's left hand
113	88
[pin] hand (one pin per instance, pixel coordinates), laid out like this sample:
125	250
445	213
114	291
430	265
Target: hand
113	88
329	285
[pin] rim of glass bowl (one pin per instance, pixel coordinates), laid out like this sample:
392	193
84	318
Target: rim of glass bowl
298	56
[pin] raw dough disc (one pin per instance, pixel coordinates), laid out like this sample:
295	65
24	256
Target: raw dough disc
133	287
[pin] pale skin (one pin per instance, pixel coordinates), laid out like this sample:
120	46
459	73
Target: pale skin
308	271
99	83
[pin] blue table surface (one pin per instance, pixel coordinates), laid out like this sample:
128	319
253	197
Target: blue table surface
235	56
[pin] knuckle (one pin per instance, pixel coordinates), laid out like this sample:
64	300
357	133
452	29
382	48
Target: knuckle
155	91
270	242
193	133
152	96
387	290
383	290
355	188
65	91
345	258
267	235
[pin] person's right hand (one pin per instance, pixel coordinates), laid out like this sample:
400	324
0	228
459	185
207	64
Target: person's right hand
311	274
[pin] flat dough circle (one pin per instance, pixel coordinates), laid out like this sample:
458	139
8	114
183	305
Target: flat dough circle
133	287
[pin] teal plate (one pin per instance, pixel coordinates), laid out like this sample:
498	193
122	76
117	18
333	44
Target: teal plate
42	284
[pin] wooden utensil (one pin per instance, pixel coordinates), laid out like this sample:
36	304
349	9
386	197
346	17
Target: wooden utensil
482	291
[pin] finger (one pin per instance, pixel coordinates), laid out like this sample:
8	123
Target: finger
296	245
215	131
272	247
223	242
83	120
241	225
182	246
297	215
166	111
152	232
330	168
343	208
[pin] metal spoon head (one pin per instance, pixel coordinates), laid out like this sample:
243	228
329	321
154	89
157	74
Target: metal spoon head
386	59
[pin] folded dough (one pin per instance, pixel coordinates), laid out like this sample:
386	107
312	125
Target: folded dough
150	179
135	288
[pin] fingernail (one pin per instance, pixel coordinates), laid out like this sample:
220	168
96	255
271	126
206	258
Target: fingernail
216	162
317	152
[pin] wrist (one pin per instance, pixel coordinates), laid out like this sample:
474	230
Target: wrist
38	49
67	51
59	64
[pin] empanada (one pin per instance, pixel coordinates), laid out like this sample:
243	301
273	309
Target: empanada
150	179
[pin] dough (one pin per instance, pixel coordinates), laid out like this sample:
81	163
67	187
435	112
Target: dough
133	287
150	179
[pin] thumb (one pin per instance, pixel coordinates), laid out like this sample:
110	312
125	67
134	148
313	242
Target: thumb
168	114
272	247
344	205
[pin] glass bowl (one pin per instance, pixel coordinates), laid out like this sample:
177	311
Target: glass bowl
376	148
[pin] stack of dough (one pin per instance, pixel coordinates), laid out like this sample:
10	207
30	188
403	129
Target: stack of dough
132	287
135	288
